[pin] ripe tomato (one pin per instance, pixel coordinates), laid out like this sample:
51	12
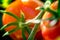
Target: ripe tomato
50	32
28	7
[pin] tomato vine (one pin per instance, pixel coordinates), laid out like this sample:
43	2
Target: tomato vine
21	21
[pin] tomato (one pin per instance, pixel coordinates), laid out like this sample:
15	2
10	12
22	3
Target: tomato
28	8
50	32
38	36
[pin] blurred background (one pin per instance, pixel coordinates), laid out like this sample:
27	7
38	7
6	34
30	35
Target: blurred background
3	5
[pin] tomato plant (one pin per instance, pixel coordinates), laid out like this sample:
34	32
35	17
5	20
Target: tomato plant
28	9
51	28
48	17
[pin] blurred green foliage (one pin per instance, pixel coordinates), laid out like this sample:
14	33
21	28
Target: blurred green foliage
5	3
0	1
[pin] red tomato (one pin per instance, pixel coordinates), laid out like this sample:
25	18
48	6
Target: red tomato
50	32
28	7
38	36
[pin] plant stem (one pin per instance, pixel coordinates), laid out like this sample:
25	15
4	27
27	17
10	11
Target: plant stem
58	8
23	35
33	32
47	4
28	29
39	16
53	12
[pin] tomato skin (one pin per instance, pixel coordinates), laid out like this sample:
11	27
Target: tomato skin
50	32
29	11
38	36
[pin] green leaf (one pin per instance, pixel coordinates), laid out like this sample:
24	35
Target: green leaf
5	34
22	19
10	32
7	25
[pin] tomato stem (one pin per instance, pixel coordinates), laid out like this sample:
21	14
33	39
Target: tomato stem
33	32
39	16
47	4
22	19
28	29
51	18
23	35
58	8
53	12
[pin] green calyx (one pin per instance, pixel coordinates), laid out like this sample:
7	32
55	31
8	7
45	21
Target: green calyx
20	24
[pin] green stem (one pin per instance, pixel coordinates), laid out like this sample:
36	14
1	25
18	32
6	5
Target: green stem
39	16
4	12
51	0
28	29
22	19
58	8
47	4
51	18
33	32
53	12
7	25
23	35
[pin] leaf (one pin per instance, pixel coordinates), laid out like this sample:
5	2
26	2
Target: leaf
7	25
22	19
5	34
9	32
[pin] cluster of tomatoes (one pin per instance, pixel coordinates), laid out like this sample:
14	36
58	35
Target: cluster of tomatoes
46	30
